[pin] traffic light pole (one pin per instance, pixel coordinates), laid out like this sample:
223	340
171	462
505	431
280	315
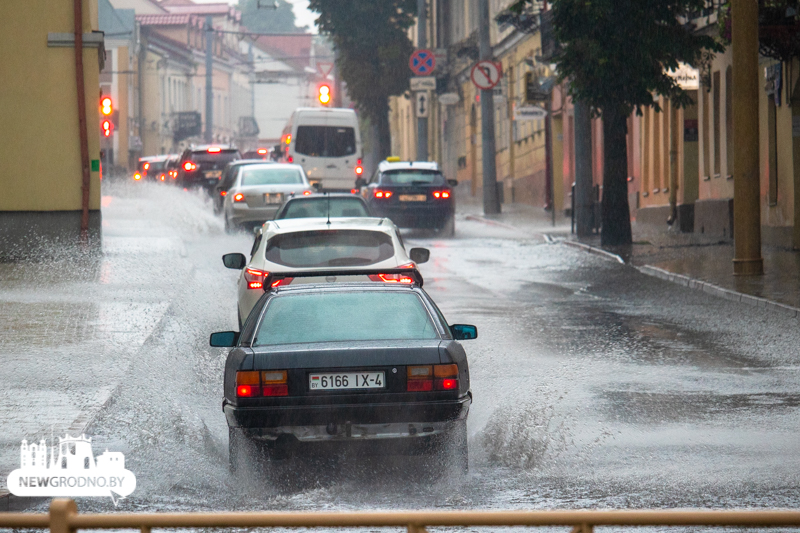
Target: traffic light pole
422	42
491	201
209	136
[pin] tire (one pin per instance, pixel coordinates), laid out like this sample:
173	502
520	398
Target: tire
449	229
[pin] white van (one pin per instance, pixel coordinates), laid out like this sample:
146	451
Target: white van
327	144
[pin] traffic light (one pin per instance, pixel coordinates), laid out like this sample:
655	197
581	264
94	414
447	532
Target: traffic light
324	94
107	127
106	106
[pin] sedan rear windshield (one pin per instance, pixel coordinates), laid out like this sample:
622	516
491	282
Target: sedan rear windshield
321	207
344	316
271	176
214	160
412	177
329	248
325	141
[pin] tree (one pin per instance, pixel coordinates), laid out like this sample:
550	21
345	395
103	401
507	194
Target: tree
614	55
266	19
373	48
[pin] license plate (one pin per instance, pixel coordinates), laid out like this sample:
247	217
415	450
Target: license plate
412	197
273	197
213	174
346	380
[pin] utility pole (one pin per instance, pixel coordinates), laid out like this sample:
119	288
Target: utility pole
548	159
747	260
209	137
422	42
491	202
584	203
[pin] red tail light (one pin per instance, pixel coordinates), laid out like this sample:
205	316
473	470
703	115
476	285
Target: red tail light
441	194
275	390
214	149
353	191
446	384
146	166
427	378
306	193
223	193
379	193
248	391
189	166
420	385
391	278
162	177
173	174
282	282
137	176
238	197
262	151
290	159
253	383
255	278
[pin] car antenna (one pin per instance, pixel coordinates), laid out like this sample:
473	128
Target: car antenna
329	207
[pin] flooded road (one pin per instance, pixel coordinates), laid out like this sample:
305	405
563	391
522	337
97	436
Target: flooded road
594	386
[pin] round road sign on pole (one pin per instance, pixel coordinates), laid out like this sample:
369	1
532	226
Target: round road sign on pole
485	74
422	62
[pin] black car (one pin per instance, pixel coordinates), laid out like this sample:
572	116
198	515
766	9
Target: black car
324	205
201	166
371	366
413	194
227	179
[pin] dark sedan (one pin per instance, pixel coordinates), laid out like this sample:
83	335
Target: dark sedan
413	194
324	206
372	366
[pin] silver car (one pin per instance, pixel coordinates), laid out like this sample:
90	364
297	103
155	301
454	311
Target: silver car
258	192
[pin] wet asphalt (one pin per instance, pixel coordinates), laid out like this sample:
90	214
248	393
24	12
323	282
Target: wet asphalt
594	386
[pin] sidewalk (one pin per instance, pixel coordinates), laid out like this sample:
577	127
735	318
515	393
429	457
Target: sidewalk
693	260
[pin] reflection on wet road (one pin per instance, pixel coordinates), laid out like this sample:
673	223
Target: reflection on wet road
594	386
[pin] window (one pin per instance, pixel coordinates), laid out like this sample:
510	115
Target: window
412	177
270	176
344	316
320	207
329	248
325	141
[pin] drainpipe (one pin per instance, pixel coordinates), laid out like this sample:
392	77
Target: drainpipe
84	137
674	130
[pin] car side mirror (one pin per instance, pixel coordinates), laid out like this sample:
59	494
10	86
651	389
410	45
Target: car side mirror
419	255
452	183
224	339
234	261
464	332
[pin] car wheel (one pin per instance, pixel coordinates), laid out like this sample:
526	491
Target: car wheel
449	229
245	455
229	226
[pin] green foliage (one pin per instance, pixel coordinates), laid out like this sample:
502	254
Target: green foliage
373	48
267	20
615	52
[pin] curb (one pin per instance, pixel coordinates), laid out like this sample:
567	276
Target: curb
716	290
476	218
594	250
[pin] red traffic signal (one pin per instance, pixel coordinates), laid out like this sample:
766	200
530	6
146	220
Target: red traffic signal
106	105
324	94
107	127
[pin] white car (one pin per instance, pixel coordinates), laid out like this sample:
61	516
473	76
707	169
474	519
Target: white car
307	245
259	190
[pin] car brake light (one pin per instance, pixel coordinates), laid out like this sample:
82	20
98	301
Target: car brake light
446	384
378	193
250	384
223	193
441	194
238	197
189	166
290	159
137	176
214	149
306	193
262	151
281	282
353	191
162	177
421	378
146	166
248	391
255	278
391	278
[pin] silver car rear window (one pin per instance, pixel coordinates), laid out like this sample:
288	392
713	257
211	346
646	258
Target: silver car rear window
271	176
329	248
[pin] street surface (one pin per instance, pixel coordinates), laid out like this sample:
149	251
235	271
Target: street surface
594	386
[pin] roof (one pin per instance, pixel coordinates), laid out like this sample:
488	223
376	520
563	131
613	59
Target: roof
204	9
115	22
291	225
169	19
405	165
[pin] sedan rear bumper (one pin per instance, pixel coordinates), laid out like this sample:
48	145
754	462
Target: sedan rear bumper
370	420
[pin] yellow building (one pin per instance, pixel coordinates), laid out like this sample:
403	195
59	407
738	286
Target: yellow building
42	198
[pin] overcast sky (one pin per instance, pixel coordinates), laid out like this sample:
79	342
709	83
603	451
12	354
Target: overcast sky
303	17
